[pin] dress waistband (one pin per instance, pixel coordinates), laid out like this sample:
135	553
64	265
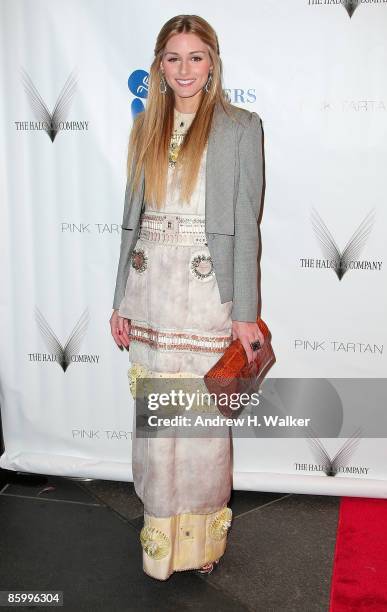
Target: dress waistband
173	228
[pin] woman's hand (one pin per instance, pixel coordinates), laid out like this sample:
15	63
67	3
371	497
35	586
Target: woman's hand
120	329
247	332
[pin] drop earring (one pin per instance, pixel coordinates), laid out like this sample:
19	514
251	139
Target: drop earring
208	84
163	84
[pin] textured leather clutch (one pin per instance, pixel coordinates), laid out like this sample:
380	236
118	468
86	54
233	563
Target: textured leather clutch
233	374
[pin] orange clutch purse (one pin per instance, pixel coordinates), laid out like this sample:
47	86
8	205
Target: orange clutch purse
233	374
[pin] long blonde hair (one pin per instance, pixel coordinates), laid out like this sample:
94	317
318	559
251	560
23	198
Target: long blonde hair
152	128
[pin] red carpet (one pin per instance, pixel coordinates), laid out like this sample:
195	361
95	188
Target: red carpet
359	580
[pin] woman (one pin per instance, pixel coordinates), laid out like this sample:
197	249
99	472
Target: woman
187	280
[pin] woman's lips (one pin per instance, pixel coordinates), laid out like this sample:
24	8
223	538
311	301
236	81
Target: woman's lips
185	82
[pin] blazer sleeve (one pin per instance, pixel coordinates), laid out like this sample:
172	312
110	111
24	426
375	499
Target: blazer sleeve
247	210
128	235
123	263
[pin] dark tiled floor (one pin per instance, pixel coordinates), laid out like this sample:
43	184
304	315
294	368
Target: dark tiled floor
81	537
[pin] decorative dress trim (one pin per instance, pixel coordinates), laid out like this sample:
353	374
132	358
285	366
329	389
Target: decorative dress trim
139	260
155	542
201	266
178	341
173	229
220	524
190	545
138	371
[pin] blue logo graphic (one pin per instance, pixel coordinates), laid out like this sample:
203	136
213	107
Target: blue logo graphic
138	83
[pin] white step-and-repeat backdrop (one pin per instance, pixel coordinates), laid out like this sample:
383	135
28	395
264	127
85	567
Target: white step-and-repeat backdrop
315	72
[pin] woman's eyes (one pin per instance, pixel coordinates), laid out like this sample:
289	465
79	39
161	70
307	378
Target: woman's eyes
195	57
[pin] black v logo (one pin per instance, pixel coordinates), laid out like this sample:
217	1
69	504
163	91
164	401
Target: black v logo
63	353
49	120
340	260
341	458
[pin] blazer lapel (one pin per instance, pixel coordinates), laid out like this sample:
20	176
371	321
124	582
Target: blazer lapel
220	171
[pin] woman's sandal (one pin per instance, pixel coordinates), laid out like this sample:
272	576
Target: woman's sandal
208	568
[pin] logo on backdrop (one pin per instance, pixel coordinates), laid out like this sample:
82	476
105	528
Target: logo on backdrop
69	352
317	345
349	5
97	229
240	96
50	122
138	84
339	463
341	261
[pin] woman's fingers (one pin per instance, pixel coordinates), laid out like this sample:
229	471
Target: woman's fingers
127	326
260	336
124	328
115	330
118	330
122	332
246	345
247	332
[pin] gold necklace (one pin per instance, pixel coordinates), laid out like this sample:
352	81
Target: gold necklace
177	137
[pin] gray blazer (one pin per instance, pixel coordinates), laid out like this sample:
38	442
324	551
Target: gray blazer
233	193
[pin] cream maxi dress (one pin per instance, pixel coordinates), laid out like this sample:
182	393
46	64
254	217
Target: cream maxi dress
179	328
